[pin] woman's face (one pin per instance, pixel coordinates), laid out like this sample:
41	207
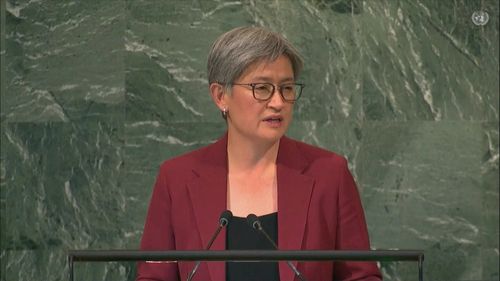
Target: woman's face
260	120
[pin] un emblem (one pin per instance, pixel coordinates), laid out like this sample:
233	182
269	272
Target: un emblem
480	18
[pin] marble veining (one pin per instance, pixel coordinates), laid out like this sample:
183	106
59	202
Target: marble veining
96	94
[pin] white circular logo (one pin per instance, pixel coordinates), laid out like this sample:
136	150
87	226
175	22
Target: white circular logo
480	17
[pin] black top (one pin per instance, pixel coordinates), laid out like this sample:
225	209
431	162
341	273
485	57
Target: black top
241	236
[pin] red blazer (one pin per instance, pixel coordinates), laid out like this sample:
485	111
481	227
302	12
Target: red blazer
318	209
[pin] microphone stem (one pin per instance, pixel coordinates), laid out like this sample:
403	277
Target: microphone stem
268	237
213	237
195	268
290	264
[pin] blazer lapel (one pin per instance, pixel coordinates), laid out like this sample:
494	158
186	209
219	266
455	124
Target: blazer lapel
294	196
208	194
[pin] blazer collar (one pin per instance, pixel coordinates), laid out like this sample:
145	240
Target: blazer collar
208	193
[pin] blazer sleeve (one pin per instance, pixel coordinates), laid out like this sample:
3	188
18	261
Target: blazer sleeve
352	233
158	233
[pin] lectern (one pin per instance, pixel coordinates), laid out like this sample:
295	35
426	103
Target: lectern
244	255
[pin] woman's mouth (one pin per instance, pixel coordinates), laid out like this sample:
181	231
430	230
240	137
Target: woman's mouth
274	121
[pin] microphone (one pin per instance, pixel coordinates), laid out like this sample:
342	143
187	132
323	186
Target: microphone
254	222
224	219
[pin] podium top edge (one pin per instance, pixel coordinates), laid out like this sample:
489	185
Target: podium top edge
245	255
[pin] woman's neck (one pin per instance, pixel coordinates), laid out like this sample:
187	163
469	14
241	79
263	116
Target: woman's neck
245	156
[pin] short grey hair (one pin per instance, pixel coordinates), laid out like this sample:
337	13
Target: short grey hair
234	51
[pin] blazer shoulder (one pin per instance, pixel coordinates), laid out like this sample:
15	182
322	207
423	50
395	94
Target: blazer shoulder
314	153
184	162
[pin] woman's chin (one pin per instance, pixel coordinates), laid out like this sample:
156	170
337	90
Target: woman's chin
272	136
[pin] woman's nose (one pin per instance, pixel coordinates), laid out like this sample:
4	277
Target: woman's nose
276	100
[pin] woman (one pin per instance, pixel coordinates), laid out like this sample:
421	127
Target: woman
305	196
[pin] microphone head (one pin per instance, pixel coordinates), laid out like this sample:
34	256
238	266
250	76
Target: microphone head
253	221
225	217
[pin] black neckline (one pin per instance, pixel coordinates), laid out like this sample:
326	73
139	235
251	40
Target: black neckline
260	217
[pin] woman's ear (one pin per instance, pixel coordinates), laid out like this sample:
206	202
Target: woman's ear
217	92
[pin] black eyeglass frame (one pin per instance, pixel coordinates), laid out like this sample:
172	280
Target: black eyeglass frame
253	85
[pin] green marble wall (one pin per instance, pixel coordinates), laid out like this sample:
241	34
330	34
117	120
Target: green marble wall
95	94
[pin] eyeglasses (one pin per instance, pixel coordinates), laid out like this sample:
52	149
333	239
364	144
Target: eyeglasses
264	91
